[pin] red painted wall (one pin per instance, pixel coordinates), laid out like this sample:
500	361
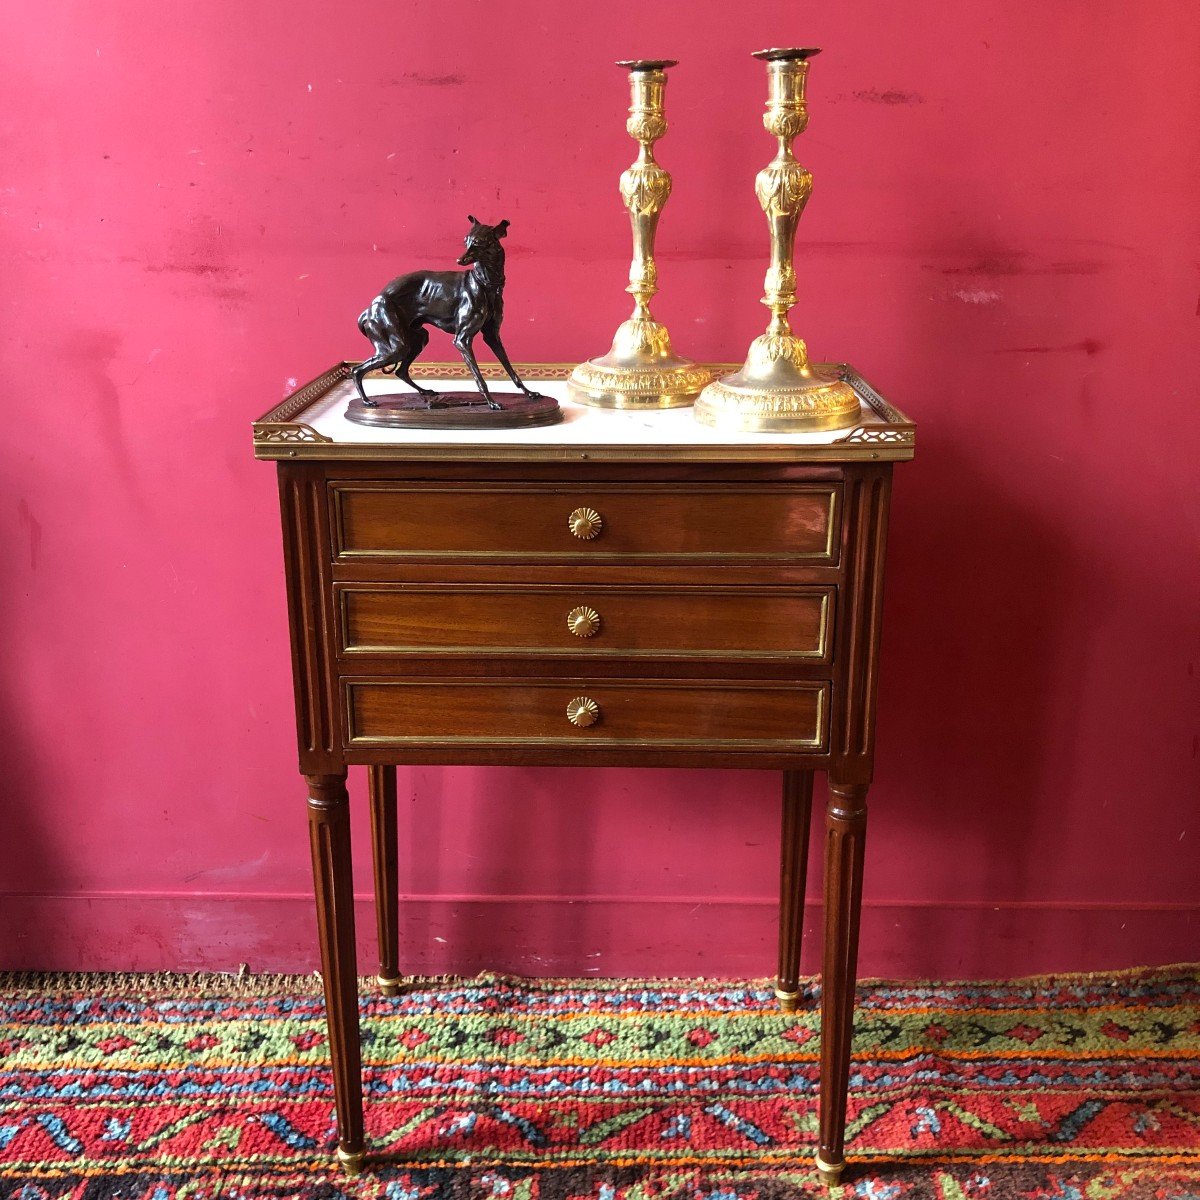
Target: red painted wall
195	203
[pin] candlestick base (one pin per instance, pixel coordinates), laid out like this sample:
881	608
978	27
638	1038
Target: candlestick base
640	371
779	391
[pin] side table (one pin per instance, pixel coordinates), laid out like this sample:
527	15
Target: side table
623	589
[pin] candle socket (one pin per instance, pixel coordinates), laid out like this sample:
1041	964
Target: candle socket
642	370
778	389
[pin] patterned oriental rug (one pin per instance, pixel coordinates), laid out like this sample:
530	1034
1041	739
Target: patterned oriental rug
171	1087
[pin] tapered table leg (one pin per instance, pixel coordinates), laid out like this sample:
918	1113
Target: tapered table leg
845	840
793	874
329	834
387	883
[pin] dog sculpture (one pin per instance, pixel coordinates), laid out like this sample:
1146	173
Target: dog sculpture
463	303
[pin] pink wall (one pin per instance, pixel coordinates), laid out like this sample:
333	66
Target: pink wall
195	203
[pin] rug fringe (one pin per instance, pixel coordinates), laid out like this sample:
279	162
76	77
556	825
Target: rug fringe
219	983
246	983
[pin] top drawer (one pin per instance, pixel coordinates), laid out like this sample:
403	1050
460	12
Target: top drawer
669	522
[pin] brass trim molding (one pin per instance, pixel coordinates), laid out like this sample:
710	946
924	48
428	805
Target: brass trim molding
303	396
832	492
296	402
279	435
810	659
818	743
287	433
458	370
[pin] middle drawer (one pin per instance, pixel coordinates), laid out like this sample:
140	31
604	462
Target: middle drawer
692	622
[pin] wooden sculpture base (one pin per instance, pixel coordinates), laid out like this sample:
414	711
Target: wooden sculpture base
455	410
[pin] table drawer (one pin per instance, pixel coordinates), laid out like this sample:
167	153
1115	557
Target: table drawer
540	521
581	712
592	620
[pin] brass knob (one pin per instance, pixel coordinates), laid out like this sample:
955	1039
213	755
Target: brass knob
583	711
583	621
585	523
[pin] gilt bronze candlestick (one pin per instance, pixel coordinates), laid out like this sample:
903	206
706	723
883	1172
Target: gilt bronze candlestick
641	370
778	388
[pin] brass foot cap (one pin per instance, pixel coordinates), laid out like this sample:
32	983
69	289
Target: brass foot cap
351	1161
830	1172
788	1001
389	987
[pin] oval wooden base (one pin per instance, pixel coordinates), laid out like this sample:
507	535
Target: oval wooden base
455	410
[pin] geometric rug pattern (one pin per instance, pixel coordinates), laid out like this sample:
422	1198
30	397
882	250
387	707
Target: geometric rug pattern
1075	1087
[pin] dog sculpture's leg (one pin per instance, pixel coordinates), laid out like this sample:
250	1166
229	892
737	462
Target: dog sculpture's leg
357	373
463	343
418	339
491	335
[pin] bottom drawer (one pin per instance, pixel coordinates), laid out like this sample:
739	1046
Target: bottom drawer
611	713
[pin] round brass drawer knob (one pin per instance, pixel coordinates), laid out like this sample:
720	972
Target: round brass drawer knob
583	622
583	711
585	523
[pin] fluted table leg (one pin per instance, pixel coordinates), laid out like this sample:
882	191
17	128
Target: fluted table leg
845	840
387	883
793	875
329	834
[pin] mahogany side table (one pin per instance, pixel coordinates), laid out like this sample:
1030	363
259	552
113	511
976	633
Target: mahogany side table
622	589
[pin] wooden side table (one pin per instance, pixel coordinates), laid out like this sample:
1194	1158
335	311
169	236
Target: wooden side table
623	589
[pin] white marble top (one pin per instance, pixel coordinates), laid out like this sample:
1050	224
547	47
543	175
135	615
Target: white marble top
584	432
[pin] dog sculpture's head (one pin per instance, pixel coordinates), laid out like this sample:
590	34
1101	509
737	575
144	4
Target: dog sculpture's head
483	242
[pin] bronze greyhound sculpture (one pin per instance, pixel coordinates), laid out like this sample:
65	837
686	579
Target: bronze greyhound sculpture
463	303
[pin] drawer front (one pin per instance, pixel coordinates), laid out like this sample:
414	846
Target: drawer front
671	522
609	713
699	622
